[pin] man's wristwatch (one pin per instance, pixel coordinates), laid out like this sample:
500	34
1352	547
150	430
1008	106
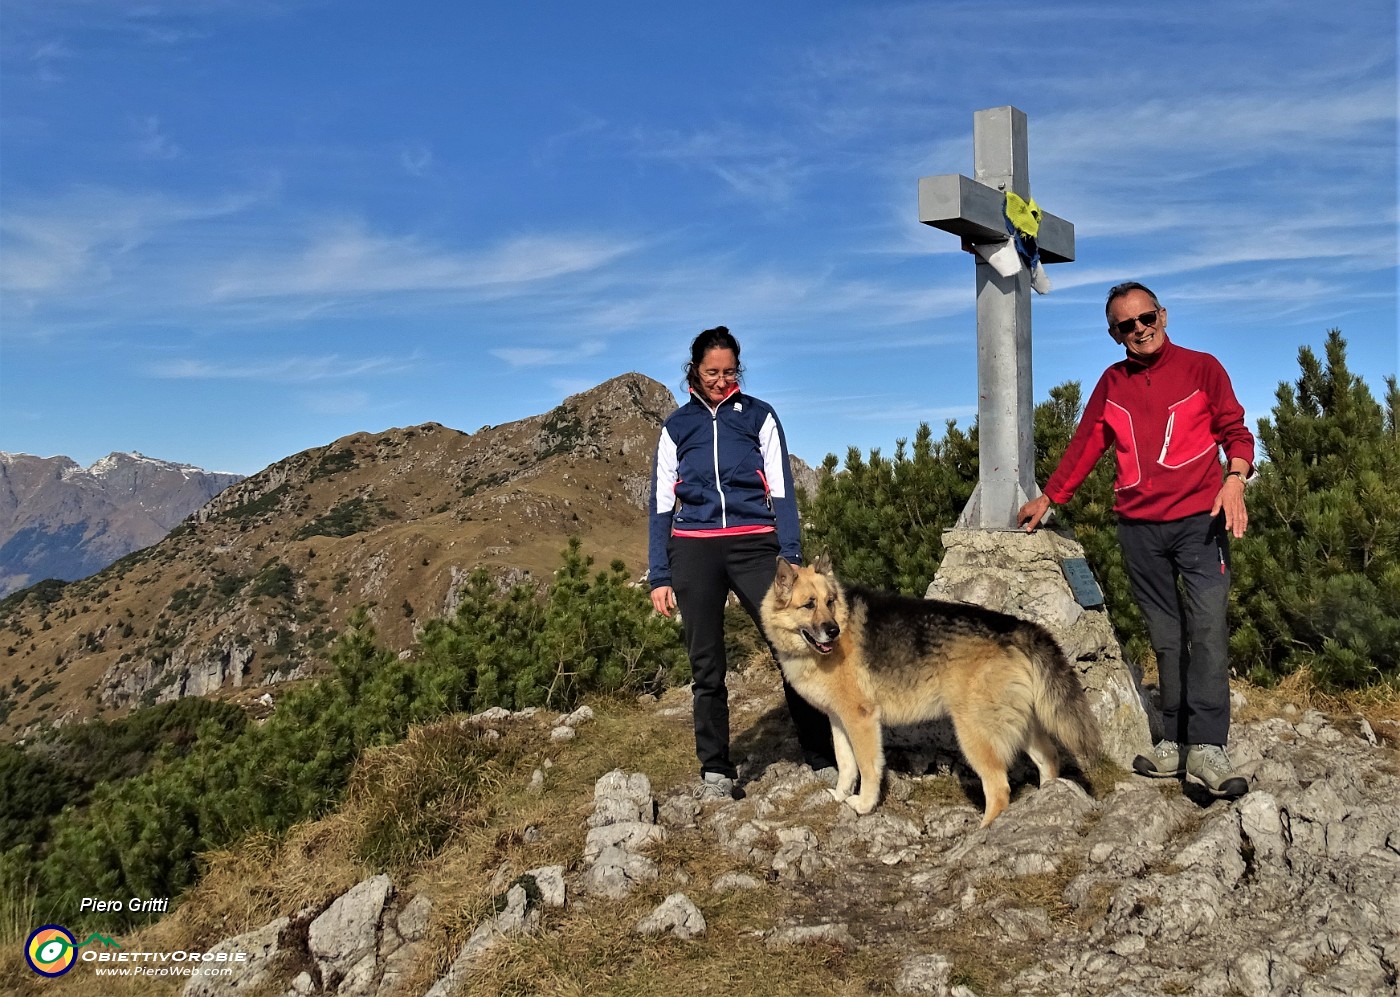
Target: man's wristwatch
1234	474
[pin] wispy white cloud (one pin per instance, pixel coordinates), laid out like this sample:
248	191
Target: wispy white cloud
1307	178
1123	122
777	299
152	142
543	356
285	370
67	245
337	403
416	160
348	260
47	61
755	163
142	256
163	21
584	137
563	387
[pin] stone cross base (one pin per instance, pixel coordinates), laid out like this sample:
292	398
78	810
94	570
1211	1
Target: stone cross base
1019	573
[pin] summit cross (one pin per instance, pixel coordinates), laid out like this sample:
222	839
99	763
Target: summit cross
973	209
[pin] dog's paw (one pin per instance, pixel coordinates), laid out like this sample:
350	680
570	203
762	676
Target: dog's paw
860	806
837	795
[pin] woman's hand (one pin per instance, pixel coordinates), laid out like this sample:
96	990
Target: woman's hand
663	600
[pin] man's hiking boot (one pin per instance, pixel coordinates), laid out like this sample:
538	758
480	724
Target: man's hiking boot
1210	765
1168	760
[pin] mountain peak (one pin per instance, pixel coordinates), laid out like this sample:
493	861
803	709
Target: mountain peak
118	459
60	520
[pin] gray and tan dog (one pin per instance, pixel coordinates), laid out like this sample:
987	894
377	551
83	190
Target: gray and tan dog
870	658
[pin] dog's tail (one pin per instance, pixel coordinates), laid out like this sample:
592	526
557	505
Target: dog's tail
1059	700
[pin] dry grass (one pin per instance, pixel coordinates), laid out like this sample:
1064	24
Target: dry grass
265	878
409	799
1103	776
522	829
1095	906
1045	890
1380	705
930	791
595	952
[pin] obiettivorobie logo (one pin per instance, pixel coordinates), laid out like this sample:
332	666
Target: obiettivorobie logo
52	950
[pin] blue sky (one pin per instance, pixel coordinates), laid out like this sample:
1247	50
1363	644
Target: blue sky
237	229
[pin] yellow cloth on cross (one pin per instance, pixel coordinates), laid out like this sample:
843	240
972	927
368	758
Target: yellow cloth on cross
1023	224
1024	213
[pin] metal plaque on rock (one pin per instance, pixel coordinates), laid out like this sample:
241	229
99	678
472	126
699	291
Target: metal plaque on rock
1082	582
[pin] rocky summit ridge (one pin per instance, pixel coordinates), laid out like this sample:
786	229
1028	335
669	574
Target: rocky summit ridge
251	588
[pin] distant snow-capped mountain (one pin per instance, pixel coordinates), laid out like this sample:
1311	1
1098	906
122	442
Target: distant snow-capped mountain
61	520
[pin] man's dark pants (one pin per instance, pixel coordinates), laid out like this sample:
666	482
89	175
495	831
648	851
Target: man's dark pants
1187	627
703	572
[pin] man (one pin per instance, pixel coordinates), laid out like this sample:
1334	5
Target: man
1168	412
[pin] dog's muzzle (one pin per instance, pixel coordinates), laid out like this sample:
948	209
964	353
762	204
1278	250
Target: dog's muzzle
823	639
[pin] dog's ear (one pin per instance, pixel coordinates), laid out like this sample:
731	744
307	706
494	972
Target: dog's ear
784	579
822	566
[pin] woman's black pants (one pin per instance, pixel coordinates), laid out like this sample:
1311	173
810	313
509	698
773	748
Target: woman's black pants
704	570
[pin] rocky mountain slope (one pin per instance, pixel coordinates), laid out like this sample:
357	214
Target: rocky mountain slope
60	520
252	588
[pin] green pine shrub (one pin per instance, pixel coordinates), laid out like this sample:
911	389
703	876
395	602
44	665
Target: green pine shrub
1317	576
882	520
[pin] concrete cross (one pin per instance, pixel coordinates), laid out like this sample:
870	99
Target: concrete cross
972	208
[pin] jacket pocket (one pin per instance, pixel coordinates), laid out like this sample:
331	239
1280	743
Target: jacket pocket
1188	436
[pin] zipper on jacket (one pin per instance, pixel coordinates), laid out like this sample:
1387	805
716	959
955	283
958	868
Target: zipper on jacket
1146	476
1167	440
719	485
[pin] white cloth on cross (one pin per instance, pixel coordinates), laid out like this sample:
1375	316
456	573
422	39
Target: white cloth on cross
1005	260
1001	256
1022	217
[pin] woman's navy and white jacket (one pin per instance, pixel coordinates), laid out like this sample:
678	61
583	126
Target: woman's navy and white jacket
718	472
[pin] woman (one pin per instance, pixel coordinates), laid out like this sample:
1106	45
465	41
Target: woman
722	510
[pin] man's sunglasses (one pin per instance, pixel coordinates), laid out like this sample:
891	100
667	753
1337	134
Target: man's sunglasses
1148	320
